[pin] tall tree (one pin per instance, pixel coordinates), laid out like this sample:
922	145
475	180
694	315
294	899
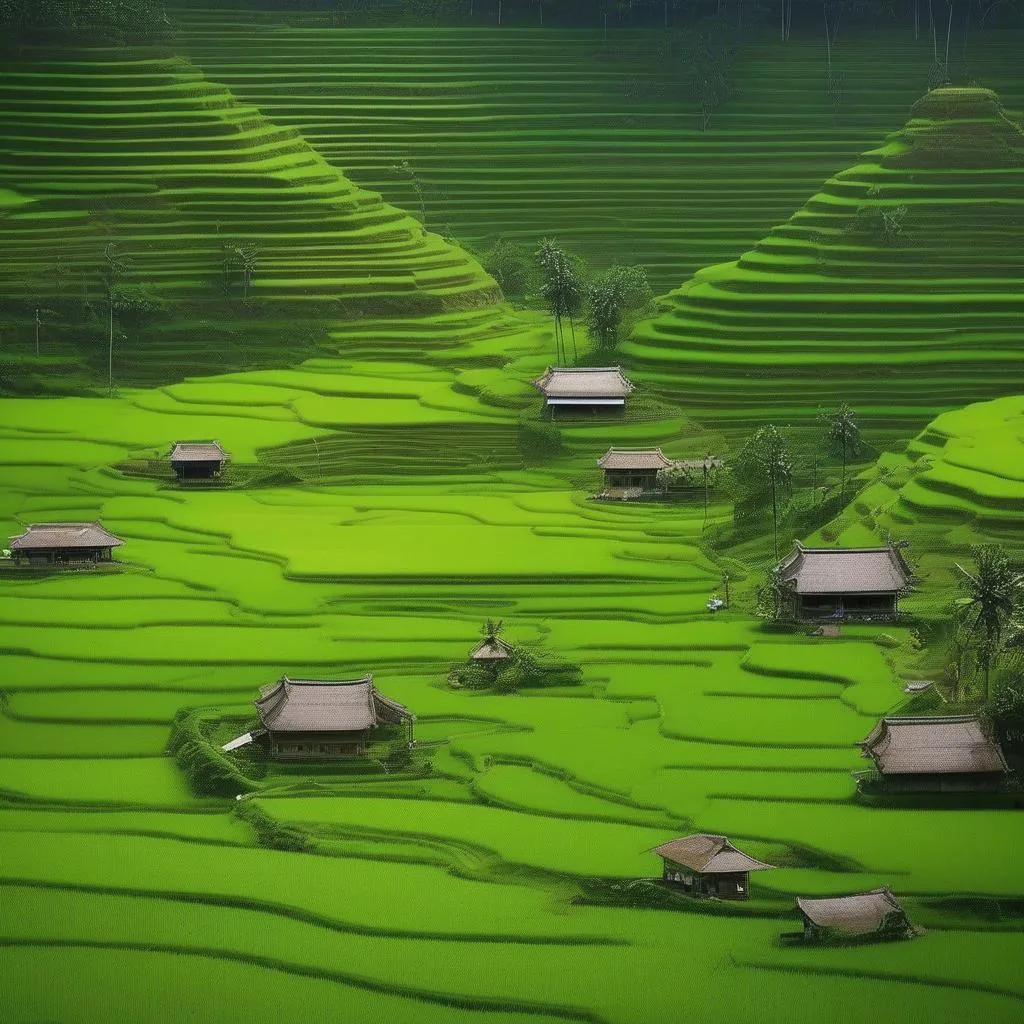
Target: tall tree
765	467
561	289
843	437
116	265
992	596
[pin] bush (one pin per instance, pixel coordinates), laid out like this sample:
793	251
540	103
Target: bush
270	832
208	771
538	439
1008	712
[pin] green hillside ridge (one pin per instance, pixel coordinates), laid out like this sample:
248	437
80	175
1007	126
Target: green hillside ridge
960	482
901	317
142	153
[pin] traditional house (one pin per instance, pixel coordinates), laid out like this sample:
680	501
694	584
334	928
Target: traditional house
198	460
632	469
490	650
584	388
706	865
61	543
935	755
874	914
318	718
840	582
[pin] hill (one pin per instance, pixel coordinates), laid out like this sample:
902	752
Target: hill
142	158
895	288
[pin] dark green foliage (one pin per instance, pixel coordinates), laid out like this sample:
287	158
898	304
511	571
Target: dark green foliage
993	595
270	832
109	19
764	471
529	666
512	266
208	771
880	225
1007	712
562	290
538	439
843	436
612	297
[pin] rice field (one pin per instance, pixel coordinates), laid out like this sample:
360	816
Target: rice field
380	504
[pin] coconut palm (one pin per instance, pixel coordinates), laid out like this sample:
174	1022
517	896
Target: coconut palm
992	596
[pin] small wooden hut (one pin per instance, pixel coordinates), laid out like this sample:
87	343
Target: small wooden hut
491	650
321	719
64	543
632	469
198	460
943	754
584	389
708	865
844	582
876	914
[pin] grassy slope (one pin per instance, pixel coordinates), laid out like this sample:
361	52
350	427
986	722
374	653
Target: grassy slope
388	561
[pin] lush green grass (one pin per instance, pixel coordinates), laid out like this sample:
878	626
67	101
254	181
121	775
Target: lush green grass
390	508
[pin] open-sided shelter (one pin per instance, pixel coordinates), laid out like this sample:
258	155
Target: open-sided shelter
61	543
840	582
950	753
874	914
319	718
198	460
708	865
584	388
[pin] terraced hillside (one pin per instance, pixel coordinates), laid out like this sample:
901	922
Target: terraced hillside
960	482
529	132
894	288
486	876
142	158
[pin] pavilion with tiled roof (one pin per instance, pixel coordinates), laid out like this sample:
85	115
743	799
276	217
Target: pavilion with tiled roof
584	388
951	753
840	582
58	543
198	460
708	865
320	718
874	914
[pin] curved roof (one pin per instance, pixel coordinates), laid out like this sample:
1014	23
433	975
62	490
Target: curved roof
491	648
708	855
321	705
634	458
64	535
954	744
198	451
845	570
584	382
859	914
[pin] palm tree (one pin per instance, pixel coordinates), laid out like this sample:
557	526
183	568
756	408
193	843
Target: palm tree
561	290
843	436
491	628
992	596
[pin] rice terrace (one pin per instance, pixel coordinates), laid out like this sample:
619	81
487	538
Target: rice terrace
512	510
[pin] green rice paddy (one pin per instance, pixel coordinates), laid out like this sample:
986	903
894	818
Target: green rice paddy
380	504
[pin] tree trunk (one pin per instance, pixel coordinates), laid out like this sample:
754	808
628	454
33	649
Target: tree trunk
828	38
37	333
666	13
917	20
949	33
775	518
931	25
110	344
842	491
499	12
572	330
967	29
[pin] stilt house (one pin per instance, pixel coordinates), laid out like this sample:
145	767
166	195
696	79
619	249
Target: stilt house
935	755
708	865
63	543
844	582
198	460
586	388
319	718
875	914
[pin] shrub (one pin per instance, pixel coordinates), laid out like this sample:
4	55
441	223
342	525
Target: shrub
270	832
1008	712
208	771
538	439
